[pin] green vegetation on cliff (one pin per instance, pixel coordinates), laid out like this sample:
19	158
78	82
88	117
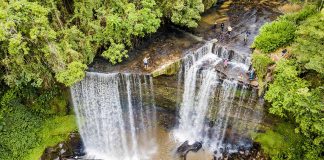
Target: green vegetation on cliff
296	92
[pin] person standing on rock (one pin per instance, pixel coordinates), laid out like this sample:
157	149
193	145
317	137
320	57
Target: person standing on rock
251	75
145	60
222	27
246	37
229	30
225	63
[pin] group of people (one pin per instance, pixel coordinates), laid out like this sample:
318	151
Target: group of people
229	28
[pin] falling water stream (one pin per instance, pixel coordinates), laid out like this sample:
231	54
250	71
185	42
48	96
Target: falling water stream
212	101
116	115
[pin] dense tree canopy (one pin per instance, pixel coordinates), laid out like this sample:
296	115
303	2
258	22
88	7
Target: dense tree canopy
58	37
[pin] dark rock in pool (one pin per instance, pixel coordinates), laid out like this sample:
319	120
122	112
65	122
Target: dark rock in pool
185	147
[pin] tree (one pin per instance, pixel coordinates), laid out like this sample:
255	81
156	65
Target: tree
187	12
30	44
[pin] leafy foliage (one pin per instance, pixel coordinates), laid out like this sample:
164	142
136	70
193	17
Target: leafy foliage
73	73
53	130
30	44
282	31
187	12
274	35
300	16
24	30
309	45
272	142
260	64
26	135
293	98
18	134
29	129
122	26
51	37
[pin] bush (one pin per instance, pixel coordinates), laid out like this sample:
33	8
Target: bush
274	35
260	64
74	73
281	32
299	16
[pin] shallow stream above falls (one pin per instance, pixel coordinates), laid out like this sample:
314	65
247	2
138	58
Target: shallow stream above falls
127	113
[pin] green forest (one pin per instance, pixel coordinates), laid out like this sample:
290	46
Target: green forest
46	46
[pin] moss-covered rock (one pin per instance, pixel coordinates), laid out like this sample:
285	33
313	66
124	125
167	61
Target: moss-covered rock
168	69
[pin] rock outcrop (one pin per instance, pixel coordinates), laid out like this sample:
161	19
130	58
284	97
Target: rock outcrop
69	149
185	148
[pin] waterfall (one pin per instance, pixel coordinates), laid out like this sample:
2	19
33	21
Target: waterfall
216	106
116	115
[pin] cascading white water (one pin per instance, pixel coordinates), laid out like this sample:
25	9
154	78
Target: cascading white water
116	115
210	104
195	106
226	97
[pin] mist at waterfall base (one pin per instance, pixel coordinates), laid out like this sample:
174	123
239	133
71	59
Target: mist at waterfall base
216	109
116	116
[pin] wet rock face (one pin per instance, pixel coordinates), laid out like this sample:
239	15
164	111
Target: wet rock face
68	149
166	88
166	118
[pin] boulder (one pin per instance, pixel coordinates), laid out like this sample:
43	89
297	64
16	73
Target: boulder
185	147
